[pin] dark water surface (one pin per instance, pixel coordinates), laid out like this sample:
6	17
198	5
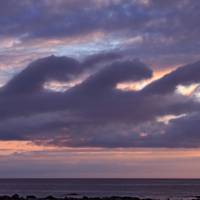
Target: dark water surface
157	188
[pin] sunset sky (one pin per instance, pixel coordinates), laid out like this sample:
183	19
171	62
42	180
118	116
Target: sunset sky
100	88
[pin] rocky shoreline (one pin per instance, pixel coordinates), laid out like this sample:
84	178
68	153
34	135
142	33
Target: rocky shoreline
70	197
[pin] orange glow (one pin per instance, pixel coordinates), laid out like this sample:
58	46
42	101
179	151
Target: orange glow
166	118
135	86
10	147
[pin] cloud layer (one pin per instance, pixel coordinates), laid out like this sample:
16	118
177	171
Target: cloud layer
162	34
75	100
93	112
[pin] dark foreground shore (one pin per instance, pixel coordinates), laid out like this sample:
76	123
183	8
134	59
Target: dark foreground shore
70	197
31	197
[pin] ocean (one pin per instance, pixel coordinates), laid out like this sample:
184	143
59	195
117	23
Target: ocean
154	188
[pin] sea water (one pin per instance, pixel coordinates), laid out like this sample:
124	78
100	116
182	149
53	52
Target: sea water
154	188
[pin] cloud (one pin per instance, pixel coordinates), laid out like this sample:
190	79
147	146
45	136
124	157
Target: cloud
185	75
56	19
94	112
168	33
117	72
184	131
37	73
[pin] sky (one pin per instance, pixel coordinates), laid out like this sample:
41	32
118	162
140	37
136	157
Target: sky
99	88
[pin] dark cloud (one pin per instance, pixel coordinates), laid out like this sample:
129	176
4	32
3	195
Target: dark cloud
37	73
185	75
60	18
95	112
184	132
101	58
29	19
117	72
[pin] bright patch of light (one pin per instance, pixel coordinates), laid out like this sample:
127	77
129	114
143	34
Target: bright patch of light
186	90
136	86
143	135
132	86
58	86
167	118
